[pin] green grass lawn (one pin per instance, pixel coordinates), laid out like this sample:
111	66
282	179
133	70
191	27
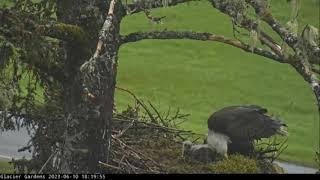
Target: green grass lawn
6	168
202	77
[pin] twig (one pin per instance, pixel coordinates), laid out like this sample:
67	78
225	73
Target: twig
140	102
138	152
131	166
156	20
124	130
281	149
110	166
45	164
158	114
159	127
168	113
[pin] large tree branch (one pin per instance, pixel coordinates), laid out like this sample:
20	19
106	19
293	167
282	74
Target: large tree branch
141	5
228	8
134	37
302	64
306	71
28	26
271	43
283	32
64	32
265	15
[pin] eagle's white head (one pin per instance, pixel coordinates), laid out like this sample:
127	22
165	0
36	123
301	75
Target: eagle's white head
218	142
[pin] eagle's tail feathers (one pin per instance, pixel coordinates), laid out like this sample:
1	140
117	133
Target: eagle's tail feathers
282	131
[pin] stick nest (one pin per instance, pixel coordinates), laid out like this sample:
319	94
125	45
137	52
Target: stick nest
149	145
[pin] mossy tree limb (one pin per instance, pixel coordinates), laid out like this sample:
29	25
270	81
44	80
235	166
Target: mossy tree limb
64	32
138	36
140	6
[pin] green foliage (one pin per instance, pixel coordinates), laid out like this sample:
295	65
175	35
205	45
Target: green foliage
43	10
6	3
26	56
31	65
6	52
236	164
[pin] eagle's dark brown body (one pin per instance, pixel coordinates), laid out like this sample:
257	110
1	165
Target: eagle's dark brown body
244	124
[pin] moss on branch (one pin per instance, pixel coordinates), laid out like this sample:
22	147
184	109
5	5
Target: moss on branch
65	32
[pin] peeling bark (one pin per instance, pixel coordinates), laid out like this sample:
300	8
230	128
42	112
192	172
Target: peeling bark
99	75
89	94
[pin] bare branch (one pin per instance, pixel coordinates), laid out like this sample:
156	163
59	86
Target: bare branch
45	164
286	35
138	36
266	16
110	166
146	4
139	102
248	24
271	43
153	19
157	126
106	26
124	130
158	114
302	65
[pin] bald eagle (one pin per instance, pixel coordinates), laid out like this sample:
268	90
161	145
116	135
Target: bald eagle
234	129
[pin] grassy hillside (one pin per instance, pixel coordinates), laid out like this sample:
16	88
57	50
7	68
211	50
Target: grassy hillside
201	77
